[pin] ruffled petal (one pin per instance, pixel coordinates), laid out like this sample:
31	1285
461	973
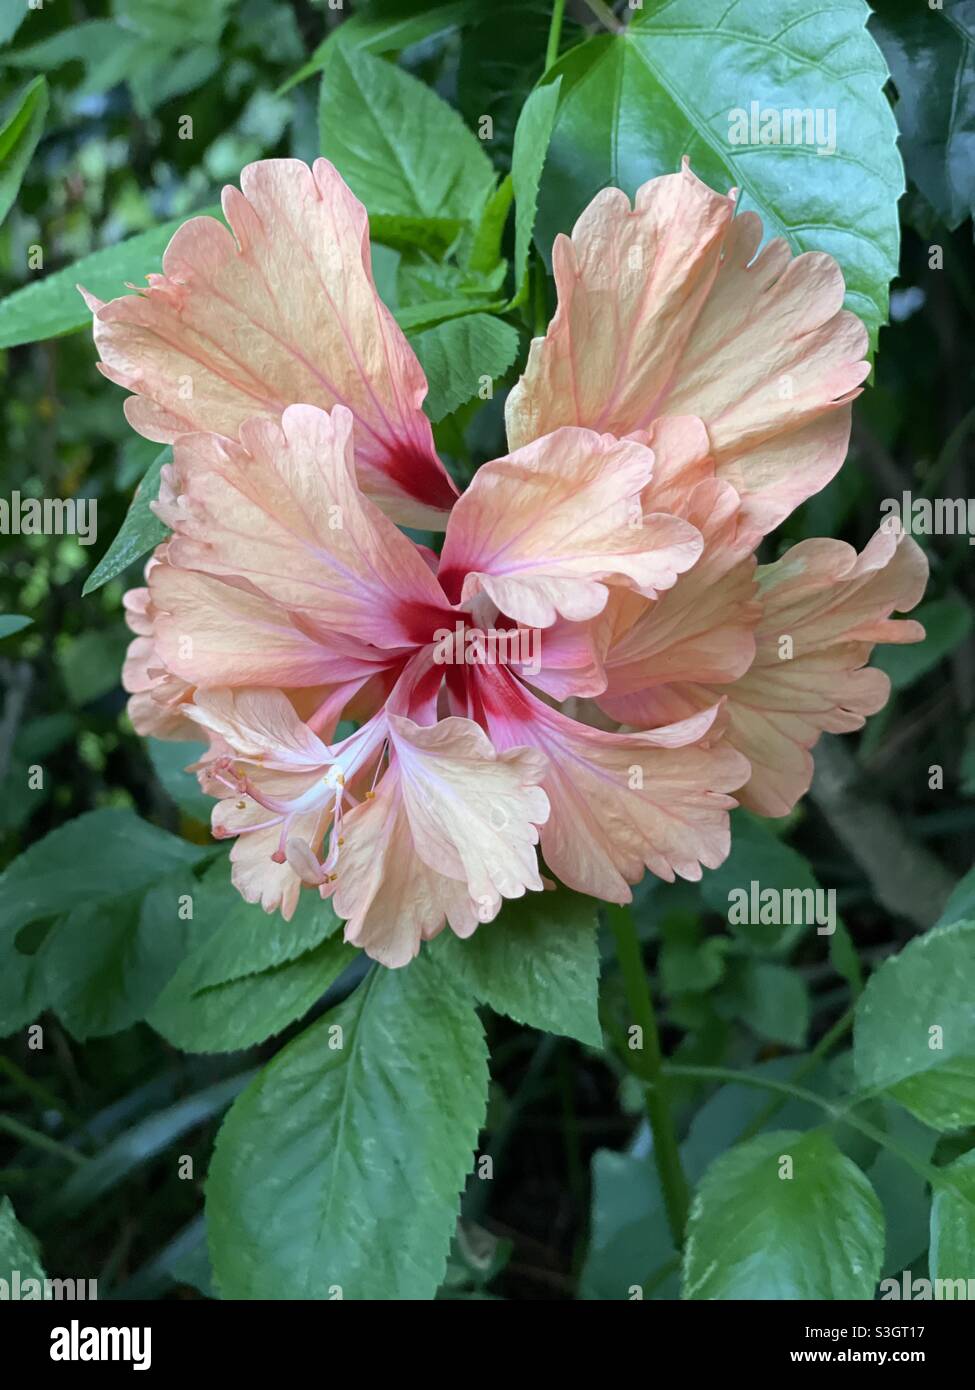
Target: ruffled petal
279	310
544	530
283	511
621	803
666	309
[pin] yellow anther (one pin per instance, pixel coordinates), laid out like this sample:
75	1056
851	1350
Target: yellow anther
341	841
241	805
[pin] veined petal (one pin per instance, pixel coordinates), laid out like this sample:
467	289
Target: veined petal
391	899
280	309
823	609
473	812
283	510
621	803
546	529
215	632
666	309
261	726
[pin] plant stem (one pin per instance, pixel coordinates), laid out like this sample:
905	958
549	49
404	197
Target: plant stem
666	1153
39	1141
809	1064
554	33
605	16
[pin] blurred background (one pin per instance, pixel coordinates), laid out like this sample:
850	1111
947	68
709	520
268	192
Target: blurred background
90	1124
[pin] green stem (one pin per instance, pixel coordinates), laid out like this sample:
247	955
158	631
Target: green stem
39	1141
839	1114
809	1064
605	16
666	1153
554	33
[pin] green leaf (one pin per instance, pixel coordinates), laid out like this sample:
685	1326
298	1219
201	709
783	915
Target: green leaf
169	762
11	19
140	531
962	901
929	52
634	104
105	963
90	663
537	962
951	1254
18	140
455	356
756	1234
252	974
175	23
341	1166
13	622
19	1249
947	622
629	1237
914	1035
407	154
759	857
771	1000
532	135
95	858
53	305
107	51
903	1191
387	26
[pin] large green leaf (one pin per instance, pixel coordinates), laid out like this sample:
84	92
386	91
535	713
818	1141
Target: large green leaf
407	154
759	1230
250	974
459	354
96	857
634	104
337	1173
929	52
537	962
53	305
915	1027
18	140
140	532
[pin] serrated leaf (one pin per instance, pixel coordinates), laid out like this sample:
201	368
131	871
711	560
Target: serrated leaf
532	135
914	1035
537	962
634	104
140	532
341	1167
53	305
407	154
105	963
457	354
250	974
771	1000
756	1234
18	140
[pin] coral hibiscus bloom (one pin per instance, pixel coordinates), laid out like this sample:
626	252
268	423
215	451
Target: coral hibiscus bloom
688	395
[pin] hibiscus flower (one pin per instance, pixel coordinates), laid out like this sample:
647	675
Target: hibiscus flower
690	392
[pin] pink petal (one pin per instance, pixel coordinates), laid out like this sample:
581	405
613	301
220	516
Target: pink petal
281	310
282	510
621	803
544	530
666	309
